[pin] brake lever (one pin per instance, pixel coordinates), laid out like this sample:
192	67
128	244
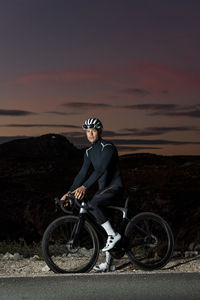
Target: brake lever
60	204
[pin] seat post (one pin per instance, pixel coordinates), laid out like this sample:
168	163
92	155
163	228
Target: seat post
127	201
128	190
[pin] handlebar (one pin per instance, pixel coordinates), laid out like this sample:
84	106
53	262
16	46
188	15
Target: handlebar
69	202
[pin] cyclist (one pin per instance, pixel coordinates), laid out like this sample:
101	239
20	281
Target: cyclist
104	158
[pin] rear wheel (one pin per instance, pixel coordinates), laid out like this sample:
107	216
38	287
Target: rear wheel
150	241
66	252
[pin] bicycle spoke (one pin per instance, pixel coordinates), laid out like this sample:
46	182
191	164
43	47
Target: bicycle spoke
140	230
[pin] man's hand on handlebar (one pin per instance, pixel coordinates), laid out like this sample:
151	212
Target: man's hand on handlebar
79	193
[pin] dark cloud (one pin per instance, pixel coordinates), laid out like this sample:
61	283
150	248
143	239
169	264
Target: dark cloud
132	149
189	107
170	110
61	113
158	130
15	112
86	105
40	125
192	113
152	106
151	142
135	91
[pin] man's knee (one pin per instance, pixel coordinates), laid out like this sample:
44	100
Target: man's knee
94	202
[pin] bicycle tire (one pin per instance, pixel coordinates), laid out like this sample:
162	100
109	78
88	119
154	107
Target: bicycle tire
149	241
57	249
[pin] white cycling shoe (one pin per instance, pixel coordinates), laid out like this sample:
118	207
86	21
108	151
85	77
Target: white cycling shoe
104	267
111	241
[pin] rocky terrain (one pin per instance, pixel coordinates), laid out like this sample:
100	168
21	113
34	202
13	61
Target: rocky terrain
35	170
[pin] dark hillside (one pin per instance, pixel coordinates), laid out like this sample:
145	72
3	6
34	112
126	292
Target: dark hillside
35	170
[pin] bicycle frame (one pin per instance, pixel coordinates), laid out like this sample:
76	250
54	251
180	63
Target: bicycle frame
85	214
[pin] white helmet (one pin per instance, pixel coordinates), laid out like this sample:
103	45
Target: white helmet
92	123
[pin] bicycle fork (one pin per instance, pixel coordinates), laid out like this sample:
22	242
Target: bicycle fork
77	228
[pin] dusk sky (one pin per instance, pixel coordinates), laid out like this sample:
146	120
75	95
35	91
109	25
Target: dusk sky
133	64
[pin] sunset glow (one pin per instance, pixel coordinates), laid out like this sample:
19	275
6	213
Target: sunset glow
133	64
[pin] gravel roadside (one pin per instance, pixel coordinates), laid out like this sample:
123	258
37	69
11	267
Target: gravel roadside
16	265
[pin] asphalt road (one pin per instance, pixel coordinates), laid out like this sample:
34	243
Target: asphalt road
102	286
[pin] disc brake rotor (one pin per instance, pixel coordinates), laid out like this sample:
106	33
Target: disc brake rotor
71	248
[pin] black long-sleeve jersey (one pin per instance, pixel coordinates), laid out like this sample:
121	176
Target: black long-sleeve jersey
104	158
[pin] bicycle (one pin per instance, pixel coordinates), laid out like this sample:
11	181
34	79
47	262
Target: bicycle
71	244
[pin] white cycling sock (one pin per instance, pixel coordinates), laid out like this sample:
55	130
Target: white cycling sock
108	228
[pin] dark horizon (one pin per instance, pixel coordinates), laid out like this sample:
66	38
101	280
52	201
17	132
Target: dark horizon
122	150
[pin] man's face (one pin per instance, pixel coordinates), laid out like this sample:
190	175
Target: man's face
92	135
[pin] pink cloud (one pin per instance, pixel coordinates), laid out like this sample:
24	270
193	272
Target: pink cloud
59	76
149	76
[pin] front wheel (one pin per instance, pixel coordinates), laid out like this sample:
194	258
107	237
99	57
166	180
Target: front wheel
150	241
68	250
